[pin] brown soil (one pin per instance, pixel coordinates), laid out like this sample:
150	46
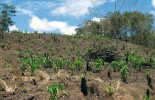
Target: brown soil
14	86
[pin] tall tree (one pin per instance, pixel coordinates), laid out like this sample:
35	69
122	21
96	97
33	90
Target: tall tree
6	12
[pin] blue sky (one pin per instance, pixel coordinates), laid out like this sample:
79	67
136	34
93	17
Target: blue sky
65	15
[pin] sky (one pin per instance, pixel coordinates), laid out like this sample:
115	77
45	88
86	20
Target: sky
64	16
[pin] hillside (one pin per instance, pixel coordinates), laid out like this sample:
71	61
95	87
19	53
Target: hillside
101	82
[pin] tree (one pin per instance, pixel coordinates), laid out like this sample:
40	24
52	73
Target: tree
135	27
6	12
116	24
90	27
138	26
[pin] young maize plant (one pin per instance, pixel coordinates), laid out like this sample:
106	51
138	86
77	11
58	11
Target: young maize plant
117	65
139	63
114	65
30	63
79	63
54	91
34	64
124	71
47	62
72	68
97	64
55	67
110	90
23	64
105	64
59	62
67	63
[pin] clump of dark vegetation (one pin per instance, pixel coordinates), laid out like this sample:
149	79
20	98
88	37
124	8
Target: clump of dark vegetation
108	54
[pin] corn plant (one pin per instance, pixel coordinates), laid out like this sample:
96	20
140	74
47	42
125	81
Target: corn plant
23	64
79	63
67	63
55	67
34	64
59	62
116	65
124	71
47	62
54	90
105	64
138	63
97	64
73	68
110	90
28	53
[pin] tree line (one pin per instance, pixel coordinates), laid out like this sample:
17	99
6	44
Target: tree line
135	27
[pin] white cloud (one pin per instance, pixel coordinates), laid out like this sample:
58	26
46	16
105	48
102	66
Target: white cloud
13	28
96	19
42	25
37	5
153	3
45	25
25	11
76	8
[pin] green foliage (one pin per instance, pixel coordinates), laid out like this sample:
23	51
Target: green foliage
149	73
135	27
137	61
72	68
29	62
105	64
146	97
47	62
55	67
124	71
54	90
117	65
34	63
110	90
67	63
59	62
7	11
79	63
97	64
